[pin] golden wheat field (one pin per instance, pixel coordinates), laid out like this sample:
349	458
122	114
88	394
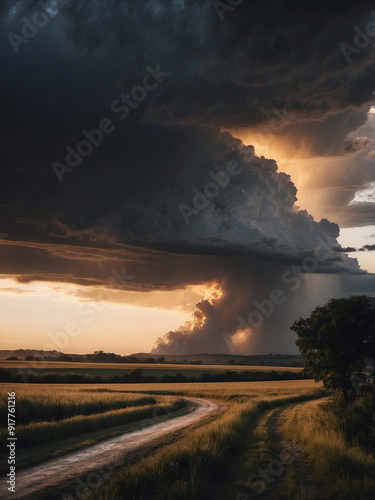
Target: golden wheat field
215	460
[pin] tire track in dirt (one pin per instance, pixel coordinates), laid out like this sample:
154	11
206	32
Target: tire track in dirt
310	489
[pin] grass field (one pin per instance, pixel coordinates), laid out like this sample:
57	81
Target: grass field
47	414
70	425
221	460
57	403
206	464
108	370
226	391
345	468
215	461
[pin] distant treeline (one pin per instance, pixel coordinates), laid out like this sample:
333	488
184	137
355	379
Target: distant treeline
111	357
136	376
96	357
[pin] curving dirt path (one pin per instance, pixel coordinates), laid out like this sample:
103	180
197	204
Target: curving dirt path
100	459
310	489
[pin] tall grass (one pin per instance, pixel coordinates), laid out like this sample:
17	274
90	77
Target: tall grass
47	432
232	392
345	468
39	408
354	420
59	403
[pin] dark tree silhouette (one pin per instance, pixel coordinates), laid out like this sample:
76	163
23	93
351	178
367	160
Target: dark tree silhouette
336	340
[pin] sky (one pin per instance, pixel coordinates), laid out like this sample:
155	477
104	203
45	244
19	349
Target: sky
181	177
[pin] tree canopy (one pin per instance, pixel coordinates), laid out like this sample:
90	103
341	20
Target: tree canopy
336	340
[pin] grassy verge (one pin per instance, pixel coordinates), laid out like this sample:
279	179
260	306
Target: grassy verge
343	466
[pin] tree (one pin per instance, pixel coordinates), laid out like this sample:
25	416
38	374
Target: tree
64	357
335	341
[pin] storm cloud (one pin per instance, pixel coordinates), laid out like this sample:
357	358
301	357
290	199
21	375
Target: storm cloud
165	191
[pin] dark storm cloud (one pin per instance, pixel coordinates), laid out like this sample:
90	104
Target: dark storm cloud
357	214
139	187
232	73
329	228
154	268
242	284
150	269
260	306
221	199
329	136
338	248
356	145
140	184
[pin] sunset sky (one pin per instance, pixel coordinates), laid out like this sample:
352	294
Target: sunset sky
183	178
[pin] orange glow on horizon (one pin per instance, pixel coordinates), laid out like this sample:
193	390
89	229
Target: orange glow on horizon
58	316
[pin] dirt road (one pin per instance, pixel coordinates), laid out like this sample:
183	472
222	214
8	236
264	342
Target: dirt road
61	474
297	465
